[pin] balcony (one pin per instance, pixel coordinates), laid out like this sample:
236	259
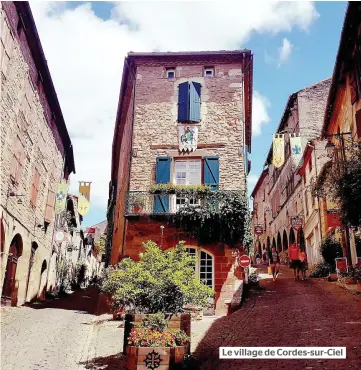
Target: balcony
143	203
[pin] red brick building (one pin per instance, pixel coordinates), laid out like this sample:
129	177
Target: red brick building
166	99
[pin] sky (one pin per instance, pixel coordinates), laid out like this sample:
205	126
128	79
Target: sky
85	43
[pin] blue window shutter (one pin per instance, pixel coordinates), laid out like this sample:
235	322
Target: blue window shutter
183	102
162	175
211	172
195	102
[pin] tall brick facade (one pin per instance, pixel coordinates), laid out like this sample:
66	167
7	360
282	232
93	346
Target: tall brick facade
149	130
35	154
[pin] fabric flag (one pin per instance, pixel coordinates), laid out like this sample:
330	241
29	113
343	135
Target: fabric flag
278	150
296	151
61	194
188	138
84	198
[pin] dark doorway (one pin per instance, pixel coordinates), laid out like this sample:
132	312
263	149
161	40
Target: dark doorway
279	242
292	236
285	240
9	292
34	247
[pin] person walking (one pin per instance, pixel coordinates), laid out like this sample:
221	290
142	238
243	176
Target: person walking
304	263
274	262
264	256
258	258
294	257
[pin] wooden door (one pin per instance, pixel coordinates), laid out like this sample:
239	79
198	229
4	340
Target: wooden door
10	273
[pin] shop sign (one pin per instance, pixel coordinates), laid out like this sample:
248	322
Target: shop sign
258	230
341	264
297	223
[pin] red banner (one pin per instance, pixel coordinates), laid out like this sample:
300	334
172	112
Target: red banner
90	230
333	219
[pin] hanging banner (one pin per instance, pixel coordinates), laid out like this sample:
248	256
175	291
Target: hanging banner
61	194
278	150
296	151
188	138
84	198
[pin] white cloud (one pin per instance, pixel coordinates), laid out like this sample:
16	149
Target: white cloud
284	52
260	105
85	55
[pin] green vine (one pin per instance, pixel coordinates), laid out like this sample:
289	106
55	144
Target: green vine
179	189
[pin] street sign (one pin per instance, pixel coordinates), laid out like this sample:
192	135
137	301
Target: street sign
59	236
258	230
341	264
296	223
244	261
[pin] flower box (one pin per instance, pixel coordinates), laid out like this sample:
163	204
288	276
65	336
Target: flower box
180	321
161	358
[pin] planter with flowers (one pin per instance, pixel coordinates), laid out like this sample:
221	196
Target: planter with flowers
356	274
151	345
163	283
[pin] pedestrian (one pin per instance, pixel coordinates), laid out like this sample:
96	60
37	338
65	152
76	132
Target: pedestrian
294	257
274	263
264	256
258	258
304	263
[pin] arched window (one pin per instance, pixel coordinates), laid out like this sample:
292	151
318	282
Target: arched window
204	267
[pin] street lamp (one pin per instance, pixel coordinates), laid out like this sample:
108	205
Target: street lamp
330	148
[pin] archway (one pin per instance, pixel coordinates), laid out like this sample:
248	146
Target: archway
15	252
301	240
274	243
42	285
279	242
34	247
268	243
292	238
285	240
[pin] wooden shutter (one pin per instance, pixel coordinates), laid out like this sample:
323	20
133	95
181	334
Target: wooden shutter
35	188
195	102
49	210
211	172
353	87
17	161
162	175
358	123
183	102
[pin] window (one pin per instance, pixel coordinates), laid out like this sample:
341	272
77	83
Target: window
170	73
209	72
49	210
17	161
186	172
35	188
204	265
189	102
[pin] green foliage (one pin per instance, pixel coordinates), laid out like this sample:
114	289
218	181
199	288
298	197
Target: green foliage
80	270
179	189
156	321
63	274
162	281
356	273
321	270
224	216
330	249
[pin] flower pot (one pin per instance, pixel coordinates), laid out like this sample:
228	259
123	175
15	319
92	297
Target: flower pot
175	322
333	277
139	358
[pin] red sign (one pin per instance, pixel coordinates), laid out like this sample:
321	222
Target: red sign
296	223
341	264
258	230
244	261
333	219
90	230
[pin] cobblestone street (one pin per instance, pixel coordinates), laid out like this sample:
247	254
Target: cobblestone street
65	334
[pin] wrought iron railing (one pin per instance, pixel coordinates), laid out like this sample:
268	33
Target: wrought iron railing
145	203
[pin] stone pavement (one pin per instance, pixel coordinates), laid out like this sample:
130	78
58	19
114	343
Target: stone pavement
288	313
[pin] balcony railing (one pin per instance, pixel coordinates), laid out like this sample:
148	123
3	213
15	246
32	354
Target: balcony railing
144	203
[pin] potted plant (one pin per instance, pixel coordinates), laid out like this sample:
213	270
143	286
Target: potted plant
356	274
152	342
161	282
138	204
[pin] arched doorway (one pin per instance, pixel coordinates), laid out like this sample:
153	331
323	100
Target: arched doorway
292	236
15	252
268	243
279	242
285	241
34	247
301	240
42	285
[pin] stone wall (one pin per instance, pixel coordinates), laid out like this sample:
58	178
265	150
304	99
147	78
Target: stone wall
155	121
22	116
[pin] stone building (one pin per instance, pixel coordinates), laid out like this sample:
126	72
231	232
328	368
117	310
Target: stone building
183	118
283	193
342	121
36	153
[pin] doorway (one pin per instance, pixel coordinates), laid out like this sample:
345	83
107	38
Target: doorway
9	291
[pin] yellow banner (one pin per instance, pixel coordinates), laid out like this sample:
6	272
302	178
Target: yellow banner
60	199
278	150
84	198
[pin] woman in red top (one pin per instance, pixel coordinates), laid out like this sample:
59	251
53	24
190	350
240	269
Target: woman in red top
294	257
